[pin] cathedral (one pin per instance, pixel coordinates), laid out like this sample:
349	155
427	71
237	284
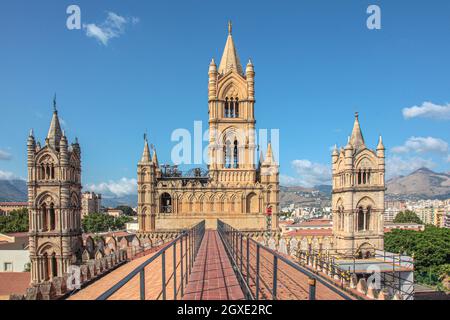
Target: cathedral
235	189
358	187
54	200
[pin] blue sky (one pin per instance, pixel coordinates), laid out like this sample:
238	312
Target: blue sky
316	63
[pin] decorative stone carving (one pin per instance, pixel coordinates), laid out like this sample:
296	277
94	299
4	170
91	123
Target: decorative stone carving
59	285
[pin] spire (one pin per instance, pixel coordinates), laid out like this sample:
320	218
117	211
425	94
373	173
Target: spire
155	157
380	144
54	132
269	154
230	58
357	140
146	153
335	150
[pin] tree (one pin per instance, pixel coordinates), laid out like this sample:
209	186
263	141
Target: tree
100	222
17	221
128	211
430	248
407	217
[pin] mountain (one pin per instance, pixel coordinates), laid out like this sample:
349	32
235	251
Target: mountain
130	200
13	191
421	184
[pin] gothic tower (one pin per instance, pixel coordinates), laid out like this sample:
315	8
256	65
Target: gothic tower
231	118
358	195
54	200
148	171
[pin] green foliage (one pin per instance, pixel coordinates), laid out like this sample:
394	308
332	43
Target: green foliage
17	221
430	249
407	217
128	211
100	222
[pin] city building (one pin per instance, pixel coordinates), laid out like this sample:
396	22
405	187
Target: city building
236	189
114	212
54	197
90	203
14	254
358	187
7	207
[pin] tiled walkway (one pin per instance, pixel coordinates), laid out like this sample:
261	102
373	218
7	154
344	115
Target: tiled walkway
212	276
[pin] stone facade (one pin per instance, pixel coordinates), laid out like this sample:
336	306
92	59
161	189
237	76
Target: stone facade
235	189
54	200
358	178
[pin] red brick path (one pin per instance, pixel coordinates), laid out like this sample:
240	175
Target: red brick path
212	276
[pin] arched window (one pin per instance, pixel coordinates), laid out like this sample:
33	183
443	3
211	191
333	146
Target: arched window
46	267
166	203
236	108
367	222
235	155
52	217
44	216
231	108
227	154
227	108
360	219
359	176
54	266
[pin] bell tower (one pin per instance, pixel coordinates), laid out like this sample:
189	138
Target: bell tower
358	195
231	100
54	203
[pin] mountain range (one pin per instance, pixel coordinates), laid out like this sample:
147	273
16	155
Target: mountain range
421	184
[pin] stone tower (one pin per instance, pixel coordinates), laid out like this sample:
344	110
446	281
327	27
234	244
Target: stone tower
54	201
358	195
232	122
147	173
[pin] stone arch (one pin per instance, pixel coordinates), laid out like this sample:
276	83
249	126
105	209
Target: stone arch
252	203
365	250
166	203
232	84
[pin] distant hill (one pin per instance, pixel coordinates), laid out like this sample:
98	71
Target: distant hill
130	200
13	191
422	184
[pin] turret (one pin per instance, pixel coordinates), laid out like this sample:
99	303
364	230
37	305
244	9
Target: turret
31	148
380	148
212	86
250	75
64	154
146	153
334	157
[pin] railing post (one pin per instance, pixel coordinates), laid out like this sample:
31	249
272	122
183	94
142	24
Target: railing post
241	254
257	271
174	271
142	283
275	271
181	267
312	288
163	263
186	258
248	261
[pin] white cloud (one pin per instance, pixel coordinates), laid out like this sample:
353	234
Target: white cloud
5	175
309	174
112	27
398	166
5	155
422	145
428	110
120	188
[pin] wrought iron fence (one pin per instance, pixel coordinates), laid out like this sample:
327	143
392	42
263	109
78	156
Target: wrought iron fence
265	274
174	274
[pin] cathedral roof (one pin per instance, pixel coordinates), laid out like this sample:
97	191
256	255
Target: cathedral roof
230	59
357	139
54	132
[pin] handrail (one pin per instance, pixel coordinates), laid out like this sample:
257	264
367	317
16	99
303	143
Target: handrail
234	242
192	239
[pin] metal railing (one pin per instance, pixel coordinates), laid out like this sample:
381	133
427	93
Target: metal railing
174	275
264	274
